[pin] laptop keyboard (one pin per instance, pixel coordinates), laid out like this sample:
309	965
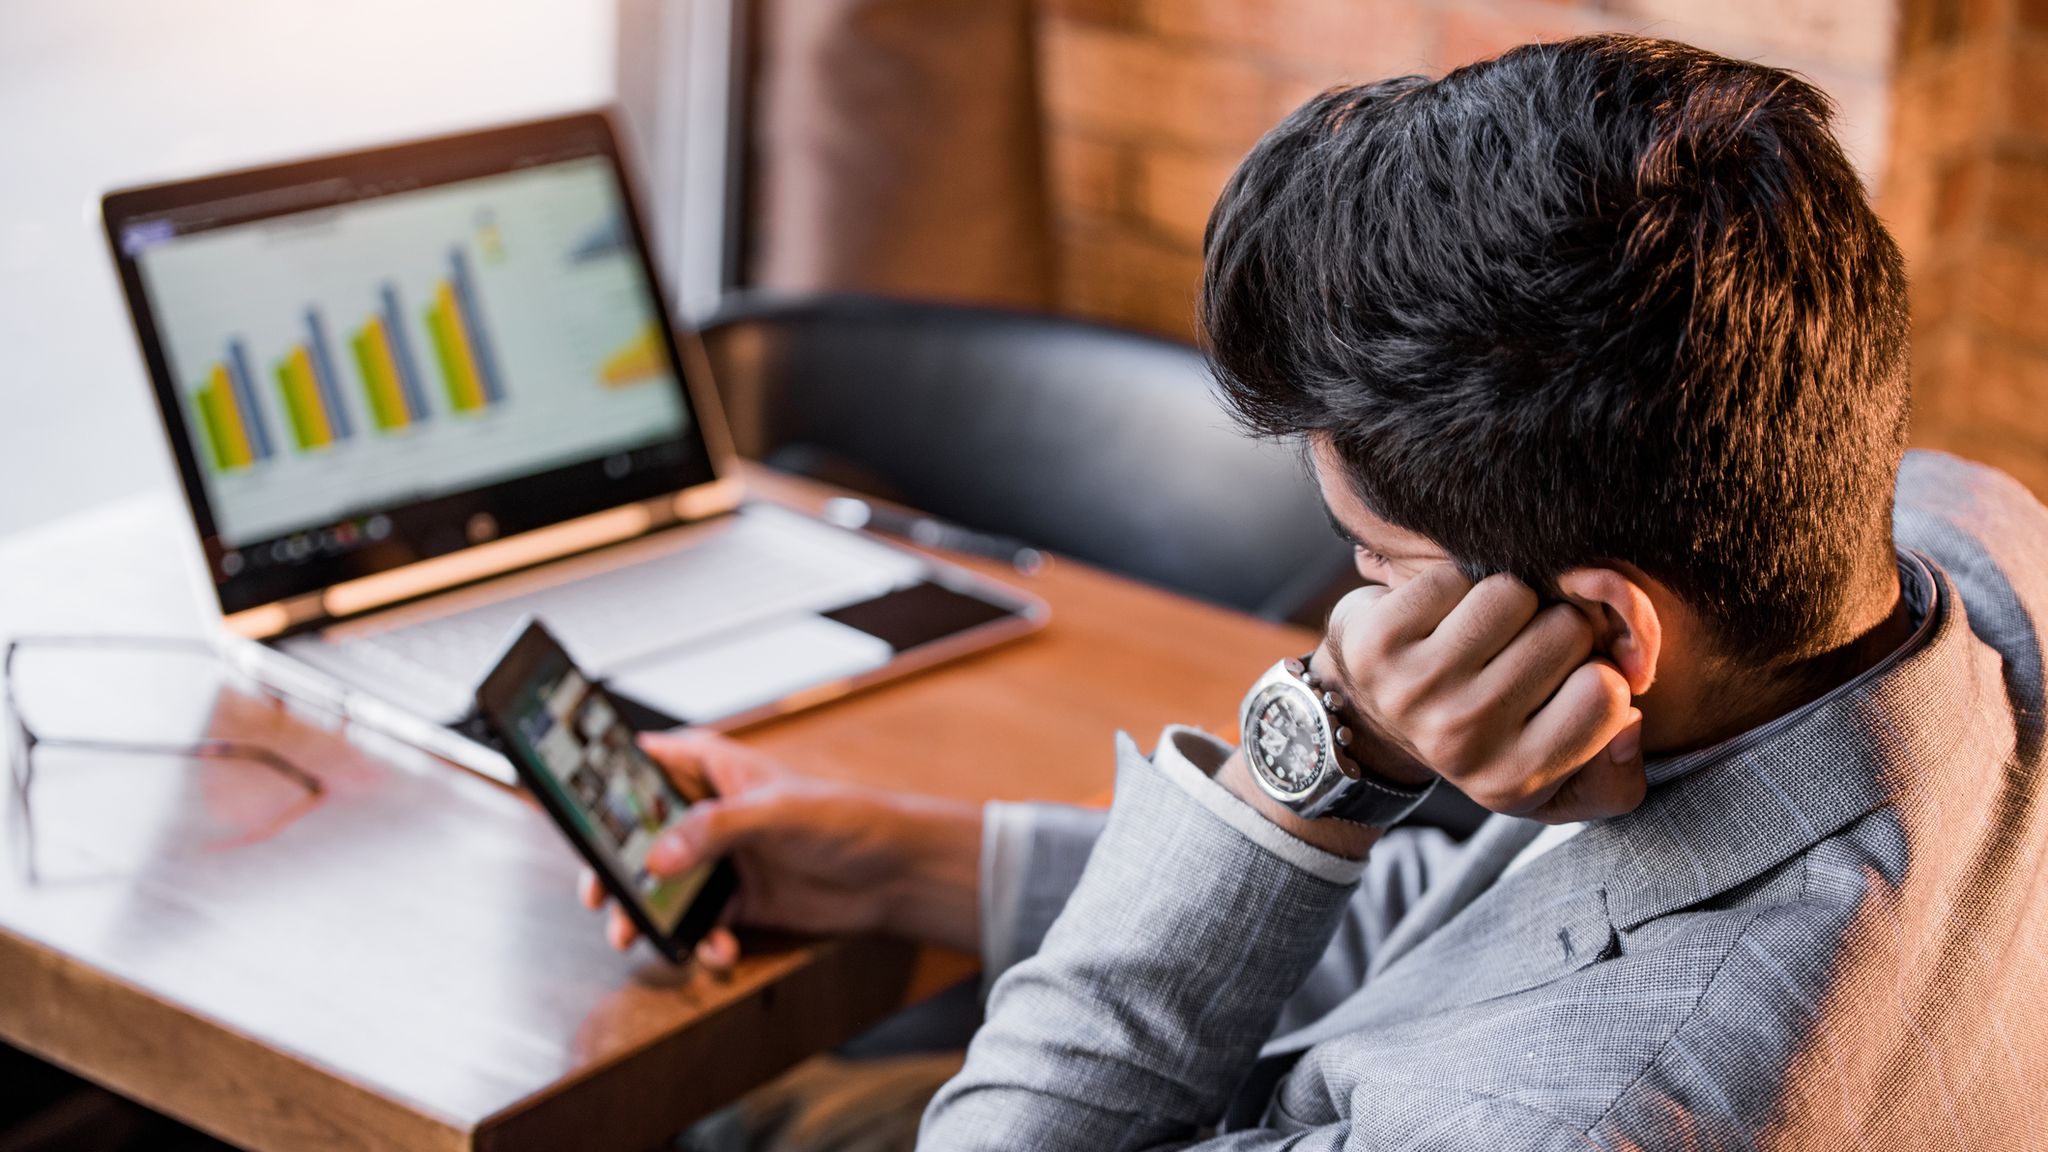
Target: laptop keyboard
762	564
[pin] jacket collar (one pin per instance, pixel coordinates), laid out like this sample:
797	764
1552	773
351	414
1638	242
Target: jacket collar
1723	816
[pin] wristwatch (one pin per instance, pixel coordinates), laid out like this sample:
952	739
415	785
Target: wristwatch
1297	746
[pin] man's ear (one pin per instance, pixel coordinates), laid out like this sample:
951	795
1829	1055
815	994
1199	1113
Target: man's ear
1626	626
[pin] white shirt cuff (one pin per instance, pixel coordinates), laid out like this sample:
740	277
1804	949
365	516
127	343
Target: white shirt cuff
1190	757
1005	862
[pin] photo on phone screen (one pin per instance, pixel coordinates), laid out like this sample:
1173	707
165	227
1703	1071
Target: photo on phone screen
572	747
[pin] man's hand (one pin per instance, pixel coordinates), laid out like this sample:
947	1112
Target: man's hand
813	856
1482	685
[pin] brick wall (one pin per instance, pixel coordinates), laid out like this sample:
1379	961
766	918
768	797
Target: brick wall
1150	103
1967	196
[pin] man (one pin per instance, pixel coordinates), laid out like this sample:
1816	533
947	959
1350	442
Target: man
1600	357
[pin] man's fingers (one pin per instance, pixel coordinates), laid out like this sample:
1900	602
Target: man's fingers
1505	697
619	930
722	766
681	755
1589	709
1611	784
1371	623
1413	611
1374	620
1483	623
1531	668
1344	615
719	951
708	831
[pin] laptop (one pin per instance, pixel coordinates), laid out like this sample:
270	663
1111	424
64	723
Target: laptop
421	393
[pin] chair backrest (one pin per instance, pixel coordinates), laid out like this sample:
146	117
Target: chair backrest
1099	443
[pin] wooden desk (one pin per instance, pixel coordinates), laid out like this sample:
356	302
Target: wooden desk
401	963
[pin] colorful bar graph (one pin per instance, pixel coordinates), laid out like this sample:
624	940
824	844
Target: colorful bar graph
208	403
299	384
324	378
381	381
481	354
322	409
244	386
401	353
461	345
451	349
221	415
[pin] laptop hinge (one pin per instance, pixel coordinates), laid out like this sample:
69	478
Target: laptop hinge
276	618
440	573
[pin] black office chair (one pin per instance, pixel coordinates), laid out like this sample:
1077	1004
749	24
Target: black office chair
1091	441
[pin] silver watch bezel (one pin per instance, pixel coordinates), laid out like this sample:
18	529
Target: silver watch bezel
1314	798
1344	785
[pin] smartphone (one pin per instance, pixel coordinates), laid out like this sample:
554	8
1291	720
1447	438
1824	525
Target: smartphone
572	748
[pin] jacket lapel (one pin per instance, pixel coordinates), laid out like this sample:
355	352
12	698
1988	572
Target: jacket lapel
1493	846
1487	854
1545	922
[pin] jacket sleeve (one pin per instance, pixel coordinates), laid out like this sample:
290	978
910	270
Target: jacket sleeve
1194	921
1033	854
1031	859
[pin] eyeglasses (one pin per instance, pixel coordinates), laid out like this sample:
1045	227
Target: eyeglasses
24	741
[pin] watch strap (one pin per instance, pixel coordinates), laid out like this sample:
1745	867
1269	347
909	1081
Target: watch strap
1375	803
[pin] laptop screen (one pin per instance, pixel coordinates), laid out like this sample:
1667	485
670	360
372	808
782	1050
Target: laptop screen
367	361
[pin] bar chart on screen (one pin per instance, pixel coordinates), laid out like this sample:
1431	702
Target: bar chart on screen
310	386
391	376
405	346
230	413
461	345
311	393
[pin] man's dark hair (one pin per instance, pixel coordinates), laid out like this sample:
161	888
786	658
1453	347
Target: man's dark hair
1606	299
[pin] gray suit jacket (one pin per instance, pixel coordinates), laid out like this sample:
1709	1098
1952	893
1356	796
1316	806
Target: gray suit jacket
1834	934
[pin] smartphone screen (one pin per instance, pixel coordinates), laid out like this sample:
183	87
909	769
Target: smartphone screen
568	737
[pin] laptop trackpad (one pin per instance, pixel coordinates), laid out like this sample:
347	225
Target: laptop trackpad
749	668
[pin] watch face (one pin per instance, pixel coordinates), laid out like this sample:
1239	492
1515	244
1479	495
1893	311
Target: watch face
1285	745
